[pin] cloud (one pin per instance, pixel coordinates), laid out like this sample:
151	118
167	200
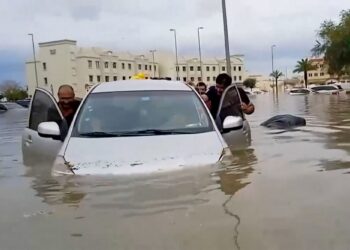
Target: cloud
138	25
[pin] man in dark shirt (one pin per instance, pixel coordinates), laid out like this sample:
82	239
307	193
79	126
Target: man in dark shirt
67	102
215	92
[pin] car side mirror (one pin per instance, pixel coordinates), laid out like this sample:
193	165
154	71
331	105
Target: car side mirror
49	130
232	123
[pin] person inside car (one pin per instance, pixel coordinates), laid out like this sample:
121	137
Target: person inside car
67	102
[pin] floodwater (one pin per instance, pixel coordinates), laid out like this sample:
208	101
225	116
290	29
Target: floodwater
289	190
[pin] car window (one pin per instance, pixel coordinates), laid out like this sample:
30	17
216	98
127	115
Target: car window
229	104
117	112
43	109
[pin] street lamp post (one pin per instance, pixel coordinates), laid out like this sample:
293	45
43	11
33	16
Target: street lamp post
36	71
273	46
200	52
154	70
227	47
177	62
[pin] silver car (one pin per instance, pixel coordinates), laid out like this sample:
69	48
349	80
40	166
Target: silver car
134	126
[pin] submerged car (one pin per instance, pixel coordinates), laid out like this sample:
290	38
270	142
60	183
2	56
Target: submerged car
330	89
299	91
132	126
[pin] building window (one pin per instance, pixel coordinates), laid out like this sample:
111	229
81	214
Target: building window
214	78
98	78
321	74
124	77
45	80
184	68
240	78
91	78
199	68
310	74
123	66
184	79
115	78
177	78
139	66
106	65
235	78
177	68
316	74
114	65
234	68
97	64
199	79
154	67
90	64
214	68
52	51
208	78
191	68
239	68
107	78
150	67
44	66
208	68
192	79
146	67
129	66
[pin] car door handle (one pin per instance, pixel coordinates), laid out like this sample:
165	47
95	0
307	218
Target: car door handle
29	140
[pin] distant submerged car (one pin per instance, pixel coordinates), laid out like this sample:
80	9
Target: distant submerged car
24	103
331	89
3	108
299	91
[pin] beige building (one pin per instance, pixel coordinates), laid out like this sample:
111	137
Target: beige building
191	70
267	83
63	62
320	73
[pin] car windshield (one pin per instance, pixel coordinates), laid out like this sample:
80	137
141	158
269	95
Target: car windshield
326	87
141	113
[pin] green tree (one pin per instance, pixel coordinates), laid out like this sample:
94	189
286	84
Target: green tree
304	66
334	44
276	74
249	83
12	91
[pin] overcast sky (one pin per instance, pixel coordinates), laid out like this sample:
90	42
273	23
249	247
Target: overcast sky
140	25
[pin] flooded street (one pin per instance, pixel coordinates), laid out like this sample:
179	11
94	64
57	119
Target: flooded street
289	190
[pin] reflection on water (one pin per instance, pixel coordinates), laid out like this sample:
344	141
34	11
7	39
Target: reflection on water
287	191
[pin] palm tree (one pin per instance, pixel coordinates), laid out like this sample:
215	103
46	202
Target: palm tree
304	65
276	74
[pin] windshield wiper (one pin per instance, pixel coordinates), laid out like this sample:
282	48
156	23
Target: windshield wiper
155	132
136	133
99	134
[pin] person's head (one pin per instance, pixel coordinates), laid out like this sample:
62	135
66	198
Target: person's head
65	96
201	88
222	82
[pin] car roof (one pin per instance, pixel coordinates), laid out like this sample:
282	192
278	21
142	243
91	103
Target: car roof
141	85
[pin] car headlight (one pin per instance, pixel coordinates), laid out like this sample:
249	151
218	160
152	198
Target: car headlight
226	156
61	167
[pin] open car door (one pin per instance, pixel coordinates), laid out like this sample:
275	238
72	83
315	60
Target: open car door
231	121
37	149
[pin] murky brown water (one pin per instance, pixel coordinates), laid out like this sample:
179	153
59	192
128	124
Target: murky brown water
290	190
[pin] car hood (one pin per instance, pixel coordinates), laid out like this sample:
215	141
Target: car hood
142	154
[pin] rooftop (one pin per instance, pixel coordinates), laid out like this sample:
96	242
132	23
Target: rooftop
58	42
